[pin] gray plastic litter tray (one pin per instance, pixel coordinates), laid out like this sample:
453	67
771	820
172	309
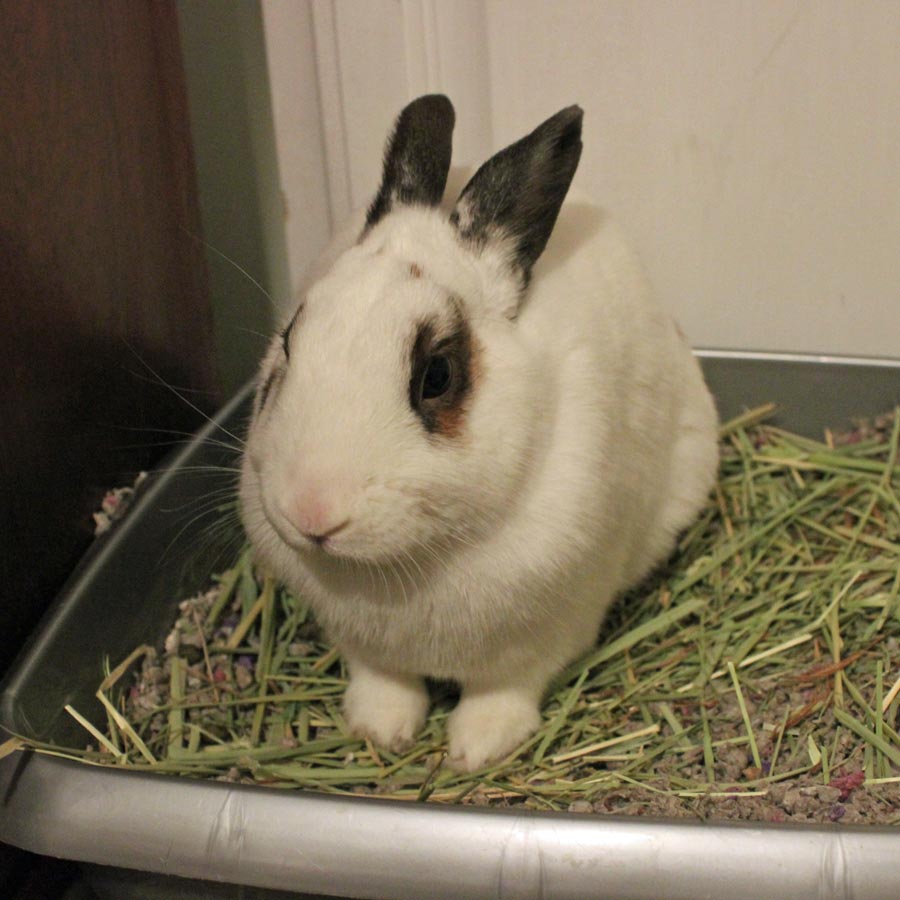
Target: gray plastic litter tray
247	838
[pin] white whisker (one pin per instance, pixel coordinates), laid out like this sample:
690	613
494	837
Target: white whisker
231	262
160	380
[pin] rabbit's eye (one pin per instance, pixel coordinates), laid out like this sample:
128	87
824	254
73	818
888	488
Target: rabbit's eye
437	377
440	375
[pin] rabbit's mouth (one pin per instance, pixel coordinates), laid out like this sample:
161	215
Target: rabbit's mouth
315	542
320	538
380	525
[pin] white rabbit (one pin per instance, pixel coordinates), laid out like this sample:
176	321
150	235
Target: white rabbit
460	453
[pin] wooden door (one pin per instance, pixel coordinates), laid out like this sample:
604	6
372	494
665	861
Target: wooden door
101	280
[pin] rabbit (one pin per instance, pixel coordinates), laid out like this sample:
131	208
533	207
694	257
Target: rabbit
476	430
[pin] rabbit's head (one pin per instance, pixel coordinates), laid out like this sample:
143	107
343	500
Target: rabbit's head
400	411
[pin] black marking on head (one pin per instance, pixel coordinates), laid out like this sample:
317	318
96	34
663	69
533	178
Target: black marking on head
441	374
416	158
517	193
286	334
266	389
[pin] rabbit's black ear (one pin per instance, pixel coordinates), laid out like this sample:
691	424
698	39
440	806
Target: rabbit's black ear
516	195
416	158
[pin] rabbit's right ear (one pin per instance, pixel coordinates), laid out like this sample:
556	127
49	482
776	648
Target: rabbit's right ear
514	198
416	158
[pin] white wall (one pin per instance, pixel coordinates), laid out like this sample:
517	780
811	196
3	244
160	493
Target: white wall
340	72
752	148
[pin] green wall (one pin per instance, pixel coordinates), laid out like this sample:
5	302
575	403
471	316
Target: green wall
237	175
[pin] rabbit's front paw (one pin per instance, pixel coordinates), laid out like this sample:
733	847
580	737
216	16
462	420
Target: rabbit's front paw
388	709
488	726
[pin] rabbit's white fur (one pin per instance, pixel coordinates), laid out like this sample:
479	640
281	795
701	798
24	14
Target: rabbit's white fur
489	556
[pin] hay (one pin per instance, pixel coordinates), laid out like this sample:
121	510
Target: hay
768	649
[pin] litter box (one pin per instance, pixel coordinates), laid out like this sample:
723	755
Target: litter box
151	836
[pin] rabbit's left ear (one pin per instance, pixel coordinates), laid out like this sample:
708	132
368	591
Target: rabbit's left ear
515	197
417	157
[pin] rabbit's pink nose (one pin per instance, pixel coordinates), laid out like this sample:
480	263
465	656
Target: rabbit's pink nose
315	518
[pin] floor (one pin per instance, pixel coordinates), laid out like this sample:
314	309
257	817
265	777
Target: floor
30	877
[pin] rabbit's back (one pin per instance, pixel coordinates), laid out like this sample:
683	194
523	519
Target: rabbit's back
641	415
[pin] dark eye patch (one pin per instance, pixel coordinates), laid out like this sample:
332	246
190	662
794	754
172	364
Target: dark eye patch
266	389
286	334
441	375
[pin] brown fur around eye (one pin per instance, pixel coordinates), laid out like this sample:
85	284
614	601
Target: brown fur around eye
452	418
443	415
